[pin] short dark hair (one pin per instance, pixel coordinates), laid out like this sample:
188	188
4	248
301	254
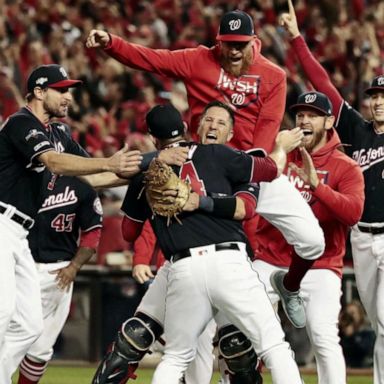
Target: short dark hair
219	104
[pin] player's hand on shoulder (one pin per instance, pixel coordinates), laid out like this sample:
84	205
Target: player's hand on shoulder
288	140
97	38
142	273
174	156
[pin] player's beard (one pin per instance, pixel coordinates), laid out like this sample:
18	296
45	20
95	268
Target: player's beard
237	70
55	111
317	136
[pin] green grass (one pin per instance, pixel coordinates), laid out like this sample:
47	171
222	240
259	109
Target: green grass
83	375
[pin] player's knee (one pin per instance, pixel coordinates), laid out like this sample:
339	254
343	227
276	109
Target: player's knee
311	244
324	338
137	335
35	327
237	350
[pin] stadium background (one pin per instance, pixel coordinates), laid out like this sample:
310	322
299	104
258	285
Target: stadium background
347	37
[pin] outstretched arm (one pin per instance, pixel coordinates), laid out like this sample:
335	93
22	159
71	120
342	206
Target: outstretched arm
312	68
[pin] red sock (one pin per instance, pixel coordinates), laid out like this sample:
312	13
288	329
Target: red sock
30	372
296	272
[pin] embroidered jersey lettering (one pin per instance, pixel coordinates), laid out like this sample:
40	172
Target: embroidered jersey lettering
68	208
366	147
63	223
305	188
188	173
239	92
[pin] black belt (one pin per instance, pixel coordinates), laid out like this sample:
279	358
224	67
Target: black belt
218	247
25	222
371	230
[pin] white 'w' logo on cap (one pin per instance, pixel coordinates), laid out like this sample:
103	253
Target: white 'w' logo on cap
310	98
380	80
234	24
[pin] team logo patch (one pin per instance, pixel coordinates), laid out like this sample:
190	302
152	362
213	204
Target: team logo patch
63	72
98	208
303	187
234	25
311	98
41	80
238	92
33	133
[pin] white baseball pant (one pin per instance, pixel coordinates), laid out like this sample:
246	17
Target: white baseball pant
321	292
283	206
21	320
368	263
153	304
210	281
56	305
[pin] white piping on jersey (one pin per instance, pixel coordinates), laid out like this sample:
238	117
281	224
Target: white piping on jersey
132	218
192	151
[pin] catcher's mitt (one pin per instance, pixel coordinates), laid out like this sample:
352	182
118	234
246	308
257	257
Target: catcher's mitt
158	178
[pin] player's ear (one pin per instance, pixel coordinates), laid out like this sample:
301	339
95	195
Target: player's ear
230	135
38	93
185	127
329	122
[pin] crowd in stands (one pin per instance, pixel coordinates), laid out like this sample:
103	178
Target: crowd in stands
346	37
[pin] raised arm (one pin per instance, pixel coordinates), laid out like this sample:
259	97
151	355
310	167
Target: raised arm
176	64
316	74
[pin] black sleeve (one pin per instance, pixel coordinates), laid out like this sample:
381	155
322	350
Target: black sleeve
62	133
238	165
135	204
29	138
348	124
252	189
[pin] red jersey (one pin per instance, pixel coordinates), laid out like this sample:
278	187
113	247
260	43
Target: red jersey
257	98
337	203
146	251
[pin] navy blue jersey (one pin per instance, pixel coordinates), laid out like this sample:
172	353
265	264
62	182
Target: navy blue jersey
366	147
23	138
211	169
69	205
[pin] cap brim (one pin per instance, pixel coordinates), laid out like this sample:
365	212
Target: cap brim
234	38
295	107
371	90
65	84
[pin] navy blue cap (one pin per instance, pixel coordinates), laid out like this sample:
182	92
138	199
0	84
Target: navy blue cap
50	76
236	26
313	100
377	85
164	122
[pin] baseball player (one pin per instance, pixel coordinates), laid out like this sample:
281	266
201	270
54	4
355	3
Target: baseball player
333	186
216	126
71	213
233	71
365	142
208	258
149	317
26	148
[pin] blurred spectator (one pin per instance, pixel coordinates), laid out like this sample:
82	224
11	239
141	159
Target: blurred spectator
357	339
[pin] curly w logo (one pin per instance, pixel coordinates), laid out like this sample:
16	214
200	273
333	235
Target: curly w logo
234	25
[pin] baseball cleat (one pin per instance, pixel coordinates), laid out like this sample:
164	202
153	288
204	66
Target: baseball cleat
292	302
